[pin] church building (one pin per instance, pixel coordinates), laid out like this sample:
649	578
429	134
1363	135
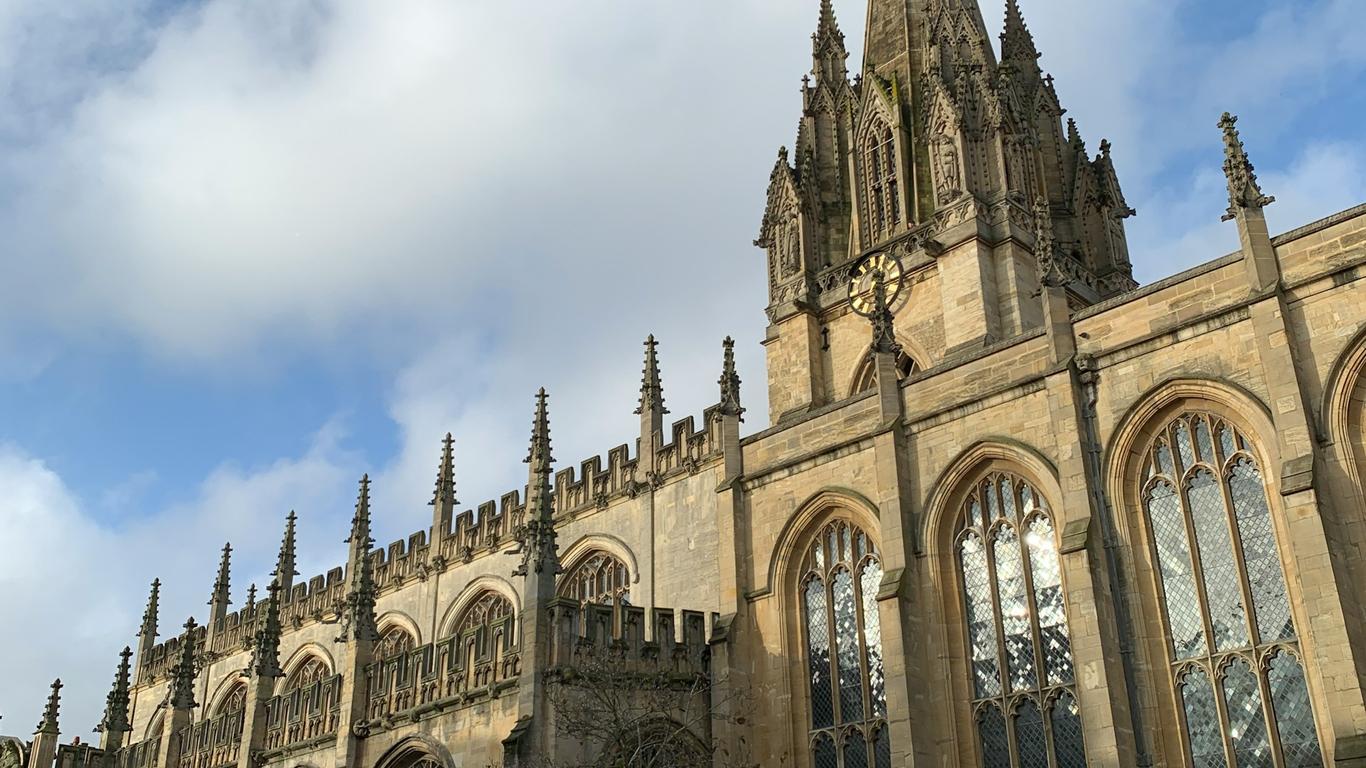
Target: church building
1007	509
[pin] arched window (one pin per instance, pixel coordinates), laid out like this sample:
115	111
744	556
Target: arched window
880	183
312	670
847	690
598	578
485	627
1234	652
394	642
866	379
1020	649
234	701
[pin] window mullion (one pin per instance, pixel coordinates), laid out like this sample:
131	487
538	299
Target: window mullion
865	670
1002	671
834	660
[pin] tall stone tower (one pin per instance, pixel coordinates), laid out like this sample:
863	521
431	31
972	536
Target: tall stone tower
939	157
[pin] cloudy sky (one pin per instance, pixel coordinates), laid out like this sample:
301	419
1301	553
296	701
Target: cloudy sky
254	248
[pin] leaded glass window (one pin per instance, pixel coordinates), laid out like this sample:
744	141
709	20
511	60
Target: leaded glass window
1235	664
394	642
311	670
1018	642
598	578
843	634
485	626
880	183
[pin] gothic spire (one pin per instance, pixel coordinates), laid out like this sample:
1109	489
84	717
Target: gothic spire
1046	245
285	562
651	390
220	596
184	672
116	704
360	598
538	548
730	381
445	475
54	704
828	51
266	651
1017	42
1243	189
149	616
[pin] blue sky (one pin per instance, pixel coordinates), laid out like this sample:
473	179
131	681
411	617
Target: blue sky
255	248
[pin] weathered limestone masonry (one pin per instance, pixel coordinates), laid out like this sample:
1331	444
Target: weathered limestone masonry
1010	509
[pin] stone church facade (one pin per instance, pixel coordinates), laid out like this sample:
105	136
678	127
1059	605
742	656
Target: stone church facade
1013	509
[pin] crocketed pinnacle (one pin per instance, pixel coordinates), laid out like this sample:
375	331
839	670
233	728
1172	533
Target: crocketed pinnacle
284	563
828	51
116	703
651	390
149	616
360	597
884	333
266	650
1046	245
444	496
536	536
1243	189
54	705
1017	42
730	381
251	597
221	584
184	673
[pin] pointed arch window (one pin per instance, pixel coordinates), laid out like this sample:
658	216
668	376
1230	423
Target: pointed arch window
312	670
394	642
881	197
234	701
1020	649
866	379
601	577
1234	651
487	624
846	686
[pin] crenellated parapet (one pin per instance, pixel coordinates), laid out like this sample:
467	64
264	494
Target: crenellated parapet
630	640
163	656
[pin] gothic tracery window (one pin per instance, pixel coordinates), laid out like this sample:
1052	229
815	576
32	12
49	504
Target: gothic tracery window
866	379
234	701
1235	660
598	578
847	689
311	671
394	642
486	625
880	182
1020	650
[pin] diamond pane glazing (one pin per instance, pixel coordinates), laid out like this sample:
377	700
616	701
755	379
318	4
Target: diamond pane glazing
1178	579
1068	745
975	514
1260	554
847	649
872	636
1184	445
1010	586
882	750
818	655
1007	498
991	727
1226	440
993	505
1047	576
823	754
986	669
1030	742
1294	716
1204	443
855	750
1223	585
1164	461
1202	721
1246	721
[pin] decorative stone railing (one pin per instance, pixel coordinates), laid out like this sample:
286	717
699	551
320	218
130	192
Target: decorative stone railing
211	743
304	715
449	671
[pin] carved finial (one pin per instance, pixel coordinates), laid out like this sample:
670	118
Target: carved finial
537	535
1074	138
730	381
1046	245
1017	42
884	333
186	669
116	704
266	651
828	51
284	563
221	584
651	390
54	704
444	495
251	597
149	616
359	621
1243	189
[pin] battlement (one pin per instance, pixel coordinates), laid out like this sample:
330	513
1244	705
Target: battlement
162	656
689	448
628	639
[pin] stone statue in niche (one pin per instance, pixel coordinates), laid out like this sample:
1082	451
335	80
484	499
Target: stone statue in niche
948	174
789	247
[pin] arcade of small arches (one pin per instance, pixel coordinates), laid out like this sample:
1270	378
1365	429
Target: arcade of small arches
1232	671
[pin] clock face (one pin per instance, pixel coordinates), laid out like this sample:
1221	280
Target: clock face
865	278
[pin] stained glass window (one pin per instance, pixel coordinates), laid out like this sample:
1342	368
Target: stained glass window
1227	607
843	634
1017	628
